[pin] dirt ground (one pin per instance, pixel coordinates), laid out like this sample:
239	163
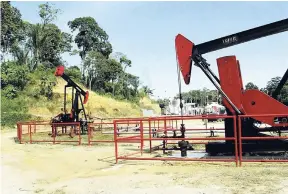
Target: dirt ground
32	168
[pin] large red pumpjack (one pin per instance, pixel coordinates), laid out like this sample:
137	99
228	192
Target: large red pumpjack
236	100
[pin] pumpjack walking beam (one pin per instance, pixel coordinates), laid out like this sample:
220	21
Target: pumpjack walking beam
242	37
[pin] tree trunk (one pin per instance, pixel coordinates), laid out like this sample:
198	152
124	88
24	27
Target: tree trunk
90	83
113	92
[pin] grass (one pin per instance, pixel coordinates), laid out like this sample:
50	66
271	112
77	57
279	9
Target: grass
97	105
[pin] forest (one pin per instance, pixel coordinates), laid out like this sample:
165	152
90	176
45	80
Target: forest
30	52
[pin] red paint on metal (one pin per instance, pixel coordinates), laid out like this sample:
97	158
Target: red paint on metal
184	48
31	132
240	140
115	142
240	117
150	132
59	70
240	75
256	102
179	159
164	121
235	140
86	97
231	81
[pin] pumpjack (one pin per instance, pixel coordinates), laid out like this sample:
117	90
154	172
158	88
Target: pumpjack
236	100
74	115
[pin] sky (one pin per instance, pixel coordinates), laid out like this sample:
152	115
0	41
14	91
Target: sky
145	32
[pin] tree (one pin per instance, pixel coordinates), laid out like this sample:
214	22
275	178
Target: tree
11	23
54	43
90	37
46	40
74	73
200	97
272	85
13	78
125	62
147	90
250	86
115	72
164	101
94	66
264	90
48	13
20	53
133	81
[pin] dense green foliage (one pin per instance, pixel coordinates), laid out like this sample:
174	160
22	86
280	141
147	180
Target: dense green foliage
201	97
30	53
250	86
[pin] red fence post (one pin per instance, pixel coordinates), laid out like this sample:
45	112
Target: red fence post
54	132
158	126
115	141
142	137
30	133
18	130
79	132
21	131
235	139
240	139
89	134
150	141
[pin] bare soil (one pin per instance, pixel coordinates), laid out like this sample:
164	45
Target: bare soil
40	168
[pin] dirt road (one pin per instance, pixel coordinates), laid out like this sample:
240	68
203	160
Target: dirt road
82	169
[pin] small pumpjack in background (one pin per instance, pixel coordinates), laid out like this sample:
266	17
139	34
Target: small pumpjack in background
236	100
74	115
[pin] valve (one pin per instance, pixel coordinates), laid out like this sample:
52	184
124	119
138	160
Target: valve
184	146
174	134
182	129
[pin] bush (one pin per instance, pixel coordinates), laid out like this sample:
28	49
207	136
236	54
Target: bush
74	73
10	119
43	80
9	92
14	74
13	111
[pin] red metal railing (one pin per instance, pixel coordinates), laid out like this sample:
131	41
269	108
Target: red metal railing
91	131
148	129
101	135
37	132
165	121
241	138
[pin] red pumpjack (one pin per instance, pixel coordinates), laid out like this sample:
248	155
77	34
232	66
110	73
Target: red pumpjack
236	100
74	115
